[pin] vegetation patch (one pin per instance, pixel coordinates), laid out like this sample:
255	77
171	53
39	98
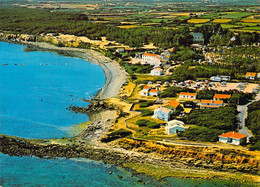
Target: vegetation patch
121	133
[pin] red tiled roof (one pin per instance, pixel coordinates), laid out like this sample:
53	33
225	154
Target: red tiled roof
210	106
174	104
212	101
148	54
250	74
155	91
146	87
233	135
222	96
185	93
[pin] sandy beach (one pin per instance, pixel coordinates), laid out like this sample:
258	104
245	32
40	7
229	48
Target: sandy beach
115	75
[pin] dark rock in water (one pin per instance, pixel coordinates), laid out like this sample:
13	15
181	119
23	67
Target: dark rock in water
140	180
110	172
120	177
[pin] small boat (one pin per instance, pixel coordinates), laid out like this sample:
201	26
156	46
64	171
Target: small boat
4	64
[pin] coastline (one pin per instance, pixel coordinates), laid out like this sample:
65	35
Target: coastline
109	90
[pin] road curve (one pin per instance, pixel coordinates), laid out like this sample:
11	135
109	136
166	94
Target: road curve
242	109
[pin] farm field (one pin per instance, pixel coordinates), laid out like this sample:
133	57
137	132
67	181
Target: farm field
221	20
198	20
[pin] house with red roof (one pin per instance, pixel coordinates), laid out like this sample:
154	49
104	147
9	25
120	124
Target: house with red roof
185	95
250	75
211	104
149	56
148	91
233	138
221	96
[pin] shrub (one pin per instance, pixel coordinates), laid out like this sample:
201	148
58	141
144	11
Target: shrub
142	122
121	133
147	112
153	125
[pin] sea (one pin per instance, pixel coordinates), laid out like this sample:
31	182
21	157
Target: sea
36	88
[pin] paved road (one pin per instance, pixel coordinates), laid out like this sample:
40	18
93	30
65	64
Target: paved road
242	116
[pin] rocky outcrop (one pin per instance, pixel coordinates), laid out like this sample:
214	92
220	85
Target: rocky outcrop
213	158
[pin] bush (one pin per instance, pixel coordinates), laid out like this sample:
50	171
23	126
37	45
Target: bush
147	112
254	147
202	134
145	103
153	125
121	133
142	122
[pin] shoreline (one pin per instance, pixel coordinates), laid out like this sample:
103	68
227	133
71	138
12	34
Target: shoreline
106	153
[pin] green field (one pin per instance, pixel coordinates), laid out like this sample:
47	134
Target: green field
237	15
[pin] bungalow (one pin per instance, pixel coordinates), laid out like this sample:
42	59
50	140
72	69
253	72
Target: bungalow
233	138
174	126
250	75
197	37
211	104
157	72
221	96
147	91
184	95
173	105
163	113
154	92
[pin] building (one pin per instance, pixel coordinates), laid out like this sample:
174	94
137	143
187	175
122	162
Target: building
173	105
157	72
250	75
154	92
233	138
163	113
149	56
174	126
148	91
221	96
211	103
197	37
185	95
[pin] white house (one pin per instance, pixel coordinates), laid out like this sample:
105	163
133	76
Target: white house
157	72
233	138
197	37
211	103
185	95
250	75
149	56
147	91
174	126
163	113
154	92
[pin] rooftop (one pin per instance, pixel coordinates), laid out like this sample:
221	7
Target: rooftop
250	74
233	135
149	54
174	104
212	101
185	93
222	96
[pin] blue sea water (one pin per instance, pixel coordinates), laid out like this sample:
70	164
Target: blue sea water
35	89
